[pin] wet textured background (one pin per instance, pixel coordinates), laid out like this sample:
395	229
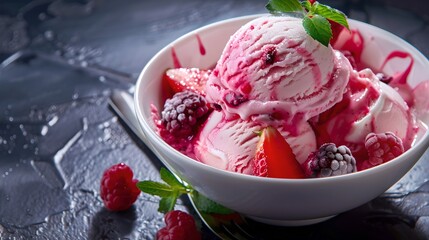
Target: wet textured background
61	59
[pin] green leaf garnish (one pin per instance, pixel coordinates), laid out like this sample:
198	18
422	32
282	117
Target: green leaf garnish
173	188
168	191
307	5
318	28
315	20
155	188
331	14
274	6
166	204
170	179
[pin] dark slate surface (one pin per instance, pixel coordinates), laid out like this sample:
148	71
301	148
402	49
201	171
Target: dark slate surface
57	134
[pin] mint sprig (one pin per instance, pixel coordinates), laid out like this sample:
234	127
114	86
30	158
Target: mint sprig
318	28
173	188
316	16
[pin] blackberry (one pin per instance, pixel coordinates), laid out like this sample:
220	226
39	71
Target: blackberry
182	111
330	160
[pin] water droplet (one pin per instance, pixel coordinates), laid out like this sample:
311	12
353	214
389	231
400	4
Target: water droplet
102	79
49	35
44	130
84	64
75	96
53	121
85	124
24	132
10	119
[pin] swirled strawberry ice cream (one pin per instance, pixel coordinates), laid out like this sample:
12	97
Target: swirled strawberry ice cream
368	105
272	66
271	72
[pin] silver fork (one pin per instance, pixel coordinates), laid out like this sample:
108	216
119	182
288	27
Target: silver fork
225	226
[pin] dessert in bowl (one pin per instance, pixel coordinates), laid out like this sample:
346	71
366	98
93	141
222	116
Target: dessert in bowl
271	200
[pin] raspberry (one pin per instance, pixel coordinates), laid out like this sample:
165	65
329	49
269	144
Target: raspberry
330	160
179	225
118	188
381	147
182	111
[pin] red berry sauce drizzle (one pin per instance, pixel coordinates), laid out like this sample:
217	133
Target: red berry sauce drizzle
176	62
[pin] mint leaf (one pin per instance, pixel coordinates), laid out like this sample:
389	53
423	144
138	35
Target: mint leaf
331	14
170	179
166	204
318	28
208	206
173	188
155	188
275	6
307	5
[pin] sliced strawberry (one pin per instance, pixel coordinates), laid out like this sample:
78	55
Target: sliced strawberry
181	79
274	157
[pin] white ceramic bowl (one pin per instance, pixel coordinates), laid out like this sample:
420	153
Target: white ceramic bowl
274	201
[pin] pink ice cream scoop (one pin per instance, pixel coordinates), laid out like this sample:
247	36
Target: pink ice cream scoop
368	106
271	66
230	143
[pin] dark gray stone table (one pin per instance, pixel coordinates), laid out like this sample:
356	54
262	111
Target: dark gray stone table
61	61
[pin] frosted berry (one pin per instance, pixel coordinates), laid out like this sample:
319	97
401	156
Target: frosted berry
118	188
381	147
330	160
182	112
179	225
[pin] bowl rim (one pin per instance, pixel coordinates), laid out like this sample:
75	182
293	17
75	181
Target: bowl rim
153	137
